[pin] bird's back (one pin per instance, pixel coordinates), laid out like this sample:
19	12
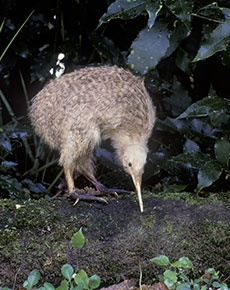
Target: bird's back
108	97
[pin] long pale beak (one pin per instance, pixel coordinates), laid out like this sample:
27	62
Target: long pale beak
137	183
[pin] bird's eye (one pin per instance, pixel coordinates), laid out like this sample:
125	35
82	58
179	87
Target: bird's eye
130	164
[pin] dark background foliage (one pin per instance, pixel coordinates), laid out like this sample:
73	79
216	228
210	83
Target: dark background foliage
180	47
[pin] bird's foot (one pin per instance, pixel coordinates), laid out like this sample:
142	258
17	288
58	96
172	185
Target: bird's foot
86	194
103	190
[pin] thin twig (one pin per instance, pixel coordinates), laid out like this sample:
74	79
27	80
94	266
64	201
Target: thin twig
207	18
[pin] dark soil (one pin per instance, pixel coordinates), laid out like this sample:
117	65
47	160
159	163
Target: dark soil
36	234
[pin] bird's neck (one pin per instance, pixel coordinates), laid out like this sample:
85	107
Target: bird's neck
121	142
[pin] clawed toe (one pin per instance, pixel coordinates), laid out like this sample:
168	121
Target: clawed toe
90	194
103	190
86	197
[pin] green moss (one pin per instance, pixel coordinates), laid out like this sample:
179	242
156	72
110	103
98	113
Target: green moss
117	235
191	198
213	241
6	203
31	223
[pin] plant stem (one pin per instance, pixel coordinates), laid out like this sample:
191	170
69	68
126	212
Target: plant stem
207	18
3	21
55	180
140	277
8	45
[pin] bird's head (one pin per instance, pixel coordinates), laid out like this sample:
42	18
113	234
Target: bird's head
133	161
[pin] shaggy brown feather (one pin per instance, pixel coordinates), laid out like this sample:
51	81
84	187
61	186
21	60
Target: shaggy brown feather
75	112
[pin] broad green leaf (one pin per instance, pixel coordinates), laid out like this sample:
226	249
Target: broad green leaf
190	146
184	277
82	278
126	9
170	277
105	47
198	129
216	284
218	40
6	165
176	36
183	262
218	119
35	187
80	286
161	260
171	125
153	8
223	286
226	13
177	264
222	151
26	285
94	282
123	9
63	286
12	185
169	284
6	145
191	159
208	174
149	48
183	286
67	271
174	187
211	271
205	107
182	10
196	286
34	277
78	239
48	286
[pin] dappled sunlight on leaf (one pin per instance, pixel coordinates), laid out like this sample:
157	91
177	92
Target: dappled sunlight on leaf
149	48
182	10
218	40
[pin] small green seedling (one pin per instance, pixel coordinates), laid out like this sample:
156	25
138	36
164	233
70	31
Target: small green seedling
72	281
78	281
176	277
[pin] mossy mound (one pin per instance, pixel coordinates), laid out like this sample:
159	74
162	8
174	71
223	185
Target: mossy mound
36	234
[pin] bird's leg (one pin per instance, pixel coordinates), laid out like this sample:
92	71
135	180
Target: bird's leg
102	190
75	193
69	178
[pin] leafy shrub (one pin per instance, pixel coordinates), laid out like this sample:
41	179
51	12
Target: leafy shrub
173	50
177	45
203	127
169	25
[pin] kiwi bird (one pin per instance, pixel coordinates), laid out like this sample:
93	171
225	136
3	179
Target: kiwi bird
75	112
